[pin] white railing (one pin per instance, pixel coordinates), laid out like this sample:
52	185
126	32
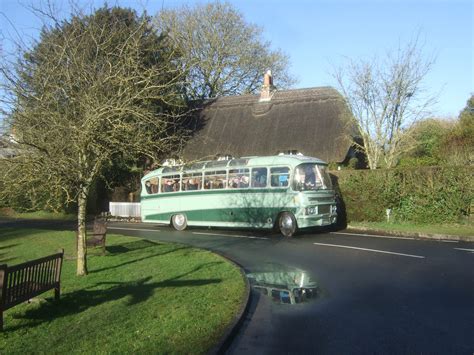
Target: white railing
124	209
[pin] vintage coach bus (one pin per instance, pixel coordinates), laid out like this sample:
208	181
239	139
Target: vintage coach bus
287	192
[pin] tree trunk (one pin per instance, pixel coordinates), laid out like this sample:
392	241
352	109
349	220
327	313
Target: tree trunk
81	234
371	153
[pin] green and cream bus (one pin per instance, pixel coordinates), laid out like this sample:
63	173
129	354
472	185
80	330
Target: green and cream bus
288	192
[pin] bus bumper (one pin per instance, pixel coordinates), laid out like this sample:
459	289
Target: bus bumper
305	219
317	221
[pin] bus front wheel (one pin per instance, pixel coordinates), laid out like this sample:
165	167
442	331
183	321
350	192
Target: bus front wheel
287	224
179	222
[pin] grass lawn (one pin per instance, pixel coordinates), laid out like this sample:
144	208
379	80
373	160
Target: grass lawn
10	213
443	229
140	297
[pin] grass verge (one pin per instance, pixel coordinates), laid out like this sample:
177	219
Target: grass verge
463	230
140	297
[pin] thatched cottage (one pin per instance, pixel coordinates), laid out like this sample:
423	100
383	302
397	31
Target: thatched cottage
313	121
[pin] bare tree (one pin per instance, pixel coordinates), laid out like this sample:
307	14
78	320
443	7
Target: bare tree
93	87
221	53
385	95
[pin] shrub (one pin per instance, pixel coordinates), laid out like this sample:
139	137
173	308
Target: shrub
419	195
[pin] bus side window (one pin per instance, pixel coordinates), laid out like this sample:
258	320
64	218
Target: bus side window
151	186
215	180
191	182
259	177
279	176
238	178
170	183
167	185
274	180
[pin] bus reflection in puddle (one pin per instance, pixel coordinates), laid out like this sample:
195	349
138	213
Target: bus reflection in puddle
288	287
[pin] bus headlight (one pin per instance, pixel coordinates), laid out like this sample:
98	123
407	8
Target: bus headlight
311	210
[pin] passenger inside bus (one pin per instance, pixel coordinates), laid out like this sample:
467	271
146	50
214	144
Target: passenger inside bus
259	177
176	185
148	187
244	182
299	179
193	184
167	185
151	186
310	177
234	183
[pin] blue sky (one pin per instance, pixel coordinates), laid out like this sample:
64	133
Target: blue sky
318	34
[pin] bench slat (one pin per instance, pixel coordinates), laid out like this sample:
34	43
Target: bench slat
13	281
51	271
12	291
44	269
30	280
34	273
46	272
22	284
18	281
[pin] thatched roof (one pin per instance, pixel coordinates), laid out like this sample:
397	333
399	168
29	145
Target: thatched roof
311	121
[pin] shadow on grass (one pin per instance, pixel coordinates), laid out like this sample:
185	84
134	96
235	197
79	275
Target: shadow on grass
3	256
136	260
13	226
5	260
130	246
81	300
8	246
10	234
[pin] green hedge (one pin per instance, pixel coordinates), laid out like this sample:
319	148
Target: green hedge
419	195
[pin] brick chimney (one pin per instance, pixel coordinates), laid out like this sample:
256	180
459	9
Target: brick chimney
267	89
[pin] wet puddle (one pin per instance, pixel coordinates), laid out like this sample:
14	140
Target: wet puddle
284	285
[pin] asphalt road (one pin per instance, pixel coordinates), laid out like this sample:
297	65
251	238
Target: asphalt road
375	294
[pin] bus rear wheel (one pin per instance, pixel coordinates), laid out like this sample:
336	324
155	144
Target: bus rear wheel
179	222
287	224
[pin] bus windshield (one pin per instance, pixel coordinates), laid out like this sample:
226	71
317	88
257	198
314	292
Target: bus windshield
311	177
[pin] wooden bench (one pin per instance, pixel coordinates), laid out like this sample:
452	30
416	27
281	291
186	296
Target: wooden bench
98	234
20	283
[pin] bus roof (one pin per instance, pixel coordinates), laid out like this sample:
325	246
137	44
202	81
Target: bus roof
255	161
